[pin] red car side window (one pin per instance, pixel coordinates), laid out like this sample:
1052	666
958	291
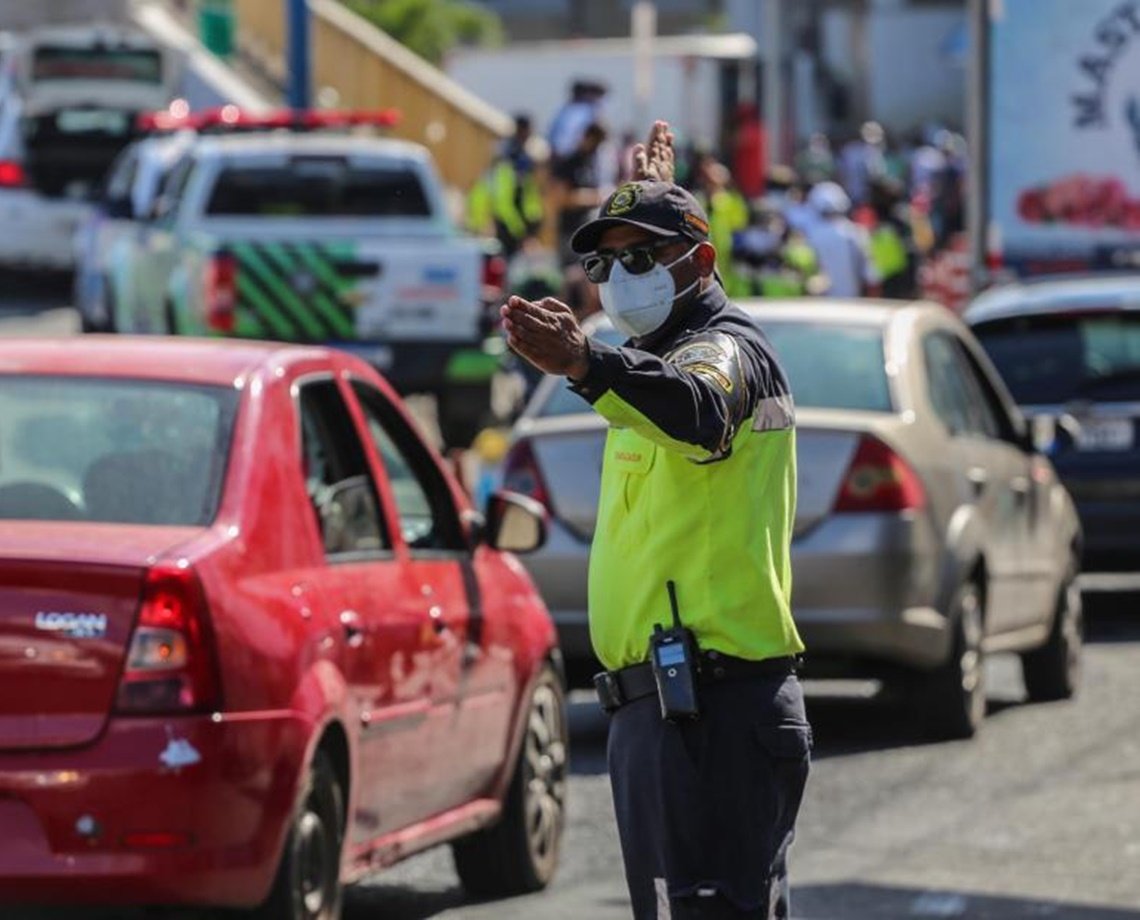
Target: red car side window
340	487
425	506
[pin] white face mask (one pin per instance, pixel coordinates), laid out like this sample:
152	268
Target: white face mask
640	304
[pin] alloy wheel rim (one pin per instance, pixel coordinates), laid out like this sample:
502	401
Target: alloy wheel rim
313	860
970	663
545	758
1072	629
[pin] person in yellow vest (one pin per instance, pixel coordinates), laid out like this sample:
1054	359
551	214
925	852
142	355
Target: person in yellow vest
892	240
507	200
728	214
771	259
690	568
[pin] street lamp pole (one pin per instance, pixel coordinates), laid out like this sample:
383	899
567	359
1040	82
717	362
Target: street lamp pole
772	30
300	80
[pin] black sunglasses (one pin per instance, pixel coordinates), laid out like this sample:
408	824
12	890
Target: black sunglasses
636	260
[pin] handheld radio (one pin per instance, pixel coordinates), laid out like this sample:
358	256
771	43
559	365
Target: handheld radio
673	657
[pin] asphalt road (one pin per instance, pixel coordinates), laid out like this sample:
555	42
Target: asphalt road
1037	817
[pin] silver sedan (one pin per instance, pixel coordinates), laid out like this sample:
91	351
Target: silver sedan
928	531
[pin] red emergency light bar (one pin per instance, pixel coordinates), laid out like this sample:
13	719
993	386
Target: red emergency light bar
232	118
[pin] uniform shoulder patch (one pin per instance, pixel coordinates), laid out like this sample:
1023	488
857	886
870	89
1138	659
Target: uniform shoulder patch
624	200
703	351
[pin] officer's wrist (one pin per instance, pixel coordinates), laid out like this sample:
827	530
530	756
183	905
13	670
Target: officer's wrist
580	369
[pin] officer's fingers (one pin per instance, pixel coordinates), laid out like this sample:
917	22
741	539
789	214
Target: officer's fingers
555	306
534	321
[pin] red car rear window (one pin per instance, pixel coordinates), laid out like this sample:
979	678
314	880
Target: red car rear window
112	451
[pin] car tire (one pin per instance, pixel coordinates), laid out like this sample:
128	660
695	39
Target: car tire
519	854
107	325
463	411
171	318
1053	671
307	885
953	700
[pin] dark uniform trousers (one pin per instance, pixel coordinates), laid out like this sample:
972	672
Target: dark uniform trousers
706	809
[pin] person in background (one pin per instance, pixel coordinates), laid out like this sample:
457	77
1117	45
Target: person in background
575	193
892	244
727	212
570	122
508	197
774	260
840	244
862	159
816	162
749	151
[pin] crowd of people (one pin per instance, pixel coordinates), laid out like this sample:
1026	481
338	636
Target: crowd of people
866	217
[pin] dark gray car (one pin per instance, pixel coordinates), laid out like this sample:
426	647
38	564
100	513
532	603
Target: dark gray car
928	530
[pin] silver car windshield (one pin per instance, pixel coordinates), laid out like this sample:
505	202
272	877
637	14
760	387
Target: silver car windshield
829	366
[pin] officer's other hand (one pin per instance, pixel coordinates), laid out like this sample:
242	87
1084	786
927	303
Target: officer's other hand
655	158
547	335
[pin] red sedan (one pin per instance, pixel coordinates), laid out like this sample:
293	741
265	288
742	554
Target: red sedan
254	642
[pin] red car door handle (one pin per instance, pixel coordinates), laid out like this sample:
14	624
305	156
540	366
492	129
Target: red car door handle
439	624
353	631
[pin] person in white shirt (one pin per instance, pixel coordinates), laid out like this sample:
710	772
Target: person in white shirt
841	246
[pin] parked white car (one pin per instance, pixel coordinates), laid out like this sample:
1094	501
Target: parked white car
71	105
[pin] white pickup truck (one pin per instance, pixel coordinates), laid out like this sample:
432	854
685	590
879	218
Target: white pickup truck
334	238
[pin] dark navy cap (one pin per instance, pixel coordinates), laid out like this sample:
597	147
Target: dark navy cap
659	207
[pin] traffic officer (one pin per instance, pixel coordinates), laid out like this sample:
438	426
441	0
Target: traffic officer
508	196
697	503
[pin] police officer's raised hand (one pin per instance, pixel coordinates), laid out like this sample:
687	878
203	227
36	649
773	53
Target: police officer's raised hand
547	335
655	158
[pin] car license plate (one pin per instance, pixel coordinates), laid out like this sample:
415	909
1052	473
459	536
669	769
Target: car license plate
1106	434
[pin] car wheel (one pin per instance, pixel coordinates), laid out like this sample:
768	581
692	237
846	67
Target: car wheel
1053	671
171	318
307	885
954	701
463	411
107	323
520	853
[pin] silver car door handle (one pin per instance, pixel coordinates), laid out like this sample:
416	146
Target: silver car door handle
1020	485
978	477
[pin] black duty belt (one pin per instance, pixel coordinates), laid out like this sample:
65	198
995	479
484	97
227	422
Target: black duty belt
617	688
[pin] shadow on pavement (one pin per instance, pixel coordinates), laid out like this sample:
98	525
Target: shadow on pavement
365	902
28	293
1112	617
864	902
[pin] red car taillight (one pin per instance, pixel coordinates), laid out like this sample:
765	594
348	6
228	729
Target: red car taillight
878	479
494	276
522	474
12	174
171	662
221	293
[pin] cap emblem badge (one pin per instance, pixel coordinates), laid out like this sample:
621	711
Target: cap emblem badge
624	200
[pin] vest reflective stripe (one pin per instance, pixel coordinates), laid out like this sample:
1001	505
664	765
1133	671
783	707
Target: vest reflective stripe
720	530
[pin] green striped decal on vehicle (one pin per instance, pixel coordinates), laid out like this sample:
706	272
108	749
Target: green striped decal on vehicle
272	301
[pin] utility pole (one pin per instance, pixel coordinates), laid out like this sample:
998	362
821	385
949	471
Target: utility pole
772	27
300	78
643	29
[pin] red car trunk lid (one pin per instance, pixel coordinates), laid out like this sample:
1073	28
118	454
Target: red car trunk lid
65	624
